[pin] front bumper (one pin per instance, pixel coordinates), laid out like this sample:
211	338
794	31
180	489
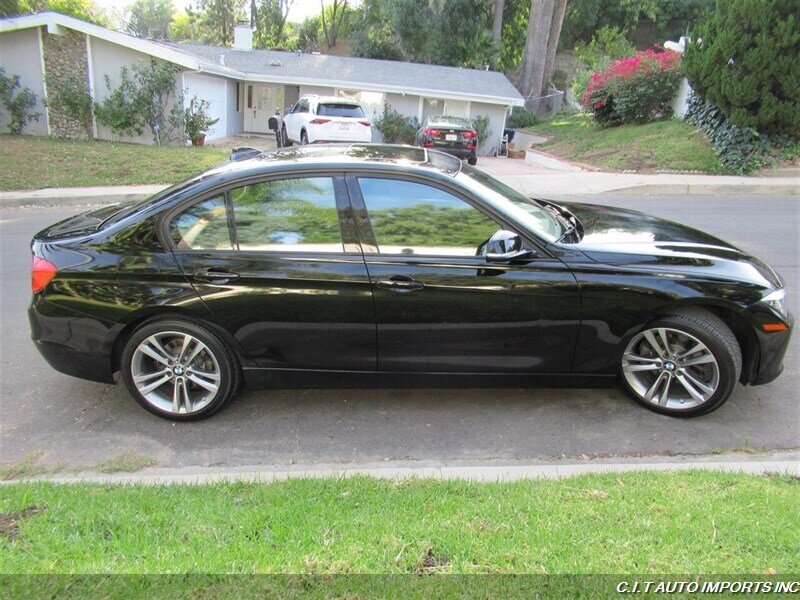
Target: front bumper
772	346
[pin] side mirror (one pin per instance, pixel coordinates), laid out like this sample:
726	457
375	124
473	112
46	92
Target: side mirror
505	246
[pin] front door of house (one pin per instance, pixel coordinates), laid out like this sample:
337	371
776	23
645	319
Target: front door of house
261	102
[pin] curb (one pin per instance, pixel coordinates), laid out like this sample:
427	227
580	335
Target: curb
768	463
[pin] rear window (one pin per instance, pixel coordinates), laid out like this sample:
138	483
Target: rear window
340	110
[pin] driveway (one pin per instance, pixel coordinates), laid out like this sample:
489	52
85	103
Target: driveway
77	423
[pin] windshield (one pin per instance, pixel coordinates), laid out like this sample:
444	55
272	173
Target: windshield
340	110
510	201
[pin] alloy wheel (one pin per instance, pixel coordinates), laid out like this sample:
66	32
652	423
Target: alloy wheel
670	368
176	372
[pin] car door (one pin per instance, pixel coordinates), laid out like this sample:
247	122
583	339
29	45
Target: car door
275	262
297	120
439	305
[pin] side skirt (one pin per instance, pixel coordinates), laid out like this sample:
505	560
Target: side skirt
301	378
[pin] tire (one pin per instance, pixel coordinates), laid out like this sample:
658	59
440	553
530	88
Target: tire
472	160
303	138
150	356
286	141
681	382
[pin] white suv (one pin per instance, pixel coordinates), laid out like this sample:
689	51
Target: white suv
325	119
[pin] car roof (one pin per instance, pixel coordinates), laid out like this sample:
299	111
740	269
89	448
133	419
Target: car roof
341	156
330	99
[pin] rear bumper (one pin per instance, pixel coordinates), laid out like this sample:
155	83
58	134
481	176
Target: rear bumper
458	152
72	343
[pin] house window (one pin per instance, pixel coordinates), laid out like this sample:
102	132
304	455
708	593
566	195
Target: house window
238	97
249	96
440	106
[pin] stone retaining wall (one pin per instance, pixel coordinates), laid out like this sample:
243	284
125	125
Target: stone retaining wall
64	56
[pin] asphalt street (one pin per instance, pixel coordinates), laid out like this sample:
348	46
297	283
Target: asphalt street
78	424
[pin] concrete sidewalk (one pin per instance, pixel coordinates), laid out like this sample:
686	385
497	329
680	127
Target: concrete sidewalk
782	462
528	179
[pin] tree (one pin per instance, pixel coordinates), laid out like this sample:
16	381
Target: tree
270	29
181	26
743	58
497	26
331	24
214	20
552	40
85	10
150	18
535	57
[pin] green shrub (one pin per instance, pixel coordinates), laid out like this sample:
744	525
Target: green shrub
559	79
521	118
145	98
740	149
69	96
607	44
744	59
196	122
636	89
481	125
18	101
394	127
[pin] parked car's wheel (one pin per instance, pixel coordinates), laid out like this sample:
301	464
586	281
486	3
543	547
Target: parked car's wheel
286	141
683	364
303	138
472	160
179	369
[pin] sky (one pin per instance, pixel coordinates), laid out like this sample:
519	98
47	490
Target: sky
299	10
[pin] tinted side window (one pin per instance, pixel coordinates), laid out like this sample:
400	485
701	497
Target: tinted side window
203	226
295	215
414	218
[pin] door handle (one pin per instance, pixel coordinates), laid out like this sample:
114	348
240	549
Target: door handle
215	274
400	284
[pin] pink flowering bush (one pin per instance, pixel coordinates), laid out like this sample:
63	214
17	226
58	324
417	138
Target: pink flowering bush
634	89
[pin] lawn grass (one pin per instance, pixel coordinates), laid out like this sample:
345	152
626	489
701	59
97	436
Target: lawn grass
648	523
36	162
663	145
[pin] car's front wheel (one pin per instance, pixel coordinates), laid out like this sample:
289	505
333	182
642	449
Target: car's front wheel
683	364
286	141
179	369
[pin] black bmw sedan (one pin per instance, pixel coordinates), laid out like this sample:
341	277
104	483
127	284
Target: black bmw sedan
368	265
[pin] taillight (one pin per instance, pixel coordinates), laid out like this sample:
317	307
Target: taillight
320	121
469	134
366	123
432	132
42	273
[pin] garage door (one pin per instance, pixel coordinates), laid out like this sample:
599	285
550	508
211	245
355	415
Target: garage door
214	90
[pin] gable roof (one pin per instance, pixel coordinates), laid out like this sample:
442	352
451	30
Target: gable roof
361	73
296	68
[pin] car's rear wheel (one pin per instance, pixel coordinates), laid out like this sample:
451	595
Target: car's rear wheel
472	160
179	370
286	141
682	364
303	138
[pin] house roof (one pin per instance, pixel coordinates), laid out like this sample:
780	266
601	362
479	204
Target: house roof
300	68
361	73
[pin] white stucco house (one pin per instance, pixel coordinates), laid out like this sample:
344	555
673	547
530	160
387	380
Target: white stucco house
244	86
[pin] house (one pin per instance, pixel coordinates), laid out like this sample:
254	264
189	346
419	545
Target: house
244	86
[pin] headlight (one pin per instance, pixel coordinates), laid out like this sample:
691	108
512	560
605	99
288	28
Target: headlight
775	301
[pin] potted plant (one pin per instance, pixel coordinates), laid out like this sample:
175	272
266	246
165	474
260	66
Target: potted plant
196	121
